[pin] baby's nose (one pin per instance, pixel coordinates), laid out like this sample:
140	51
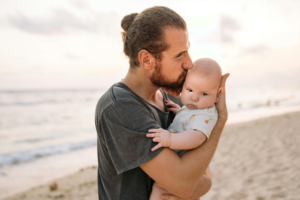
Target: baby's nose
195	98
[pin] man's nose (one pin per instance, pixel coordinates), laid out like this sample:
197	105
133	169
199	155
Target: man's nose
187	64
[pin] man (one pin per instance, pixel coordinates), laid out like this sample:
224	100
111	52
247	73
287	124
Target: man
156	42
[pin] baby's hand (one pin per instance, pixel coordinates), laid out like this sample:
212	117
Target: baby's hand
174	107
163	137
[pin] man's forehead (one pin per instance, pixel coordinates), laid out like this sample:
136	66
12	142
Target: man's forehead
177	37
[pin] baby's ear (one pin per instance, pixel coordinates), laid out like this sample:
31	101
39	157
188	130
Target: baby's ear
218	94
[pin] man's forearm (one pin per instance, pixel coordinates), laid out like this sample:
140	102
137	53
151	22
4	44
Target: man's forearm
201	189
203	185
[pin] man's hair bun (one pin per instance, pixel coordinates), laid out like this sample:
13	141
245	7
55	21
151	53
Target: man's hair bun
127	21
146	31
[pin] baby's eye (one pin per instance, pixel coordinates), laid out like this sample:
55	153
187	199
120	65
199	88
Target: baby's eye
204	94
190	90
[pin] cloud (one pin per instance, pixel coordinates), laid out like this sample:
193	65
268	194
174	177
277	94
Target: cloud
256	49
228	26
80	4
73	57
61	21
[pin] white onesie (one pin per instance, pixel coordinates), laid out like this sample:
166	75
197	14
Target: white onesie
203	120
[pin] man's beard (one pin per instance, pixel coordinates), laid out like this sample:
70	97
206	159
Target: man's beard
172	87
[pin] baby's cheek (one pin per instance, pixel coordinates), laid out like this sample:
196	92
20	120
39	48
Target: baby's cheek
211	101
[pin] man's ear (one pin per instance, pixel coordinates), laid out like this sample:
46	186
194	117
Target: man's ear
218	94
146	59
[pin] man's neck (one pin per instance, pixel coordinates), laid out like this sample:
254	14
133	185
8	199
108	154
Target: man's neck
143	87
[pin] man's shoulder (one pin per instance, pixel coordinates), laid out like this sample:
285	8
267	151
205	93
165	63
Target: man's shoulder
117	94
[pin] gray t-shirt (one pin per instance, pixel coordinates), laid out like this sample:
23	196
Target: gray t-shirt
122	121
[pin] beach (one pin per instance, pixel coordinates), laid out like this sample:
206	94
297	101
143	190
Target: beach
257	159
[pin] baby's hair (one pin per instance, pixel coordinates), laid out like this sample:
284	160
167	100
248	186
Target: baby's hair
207	67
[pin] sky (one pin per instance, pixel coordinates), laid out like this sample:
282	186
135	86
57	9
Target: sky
61	44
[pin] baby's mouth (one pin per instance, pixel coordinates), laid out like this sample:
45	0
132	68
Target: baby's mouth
191	106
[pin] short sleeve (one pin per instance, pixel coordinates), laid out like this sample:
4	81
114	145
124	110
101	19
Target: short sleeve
203	122
123	126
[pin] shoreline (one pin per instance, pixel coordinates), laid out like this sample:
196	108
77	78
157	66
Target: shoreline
15	182
20	178
260	113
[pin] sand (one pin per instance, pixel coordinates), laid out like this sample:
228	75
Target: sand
256	160
81	185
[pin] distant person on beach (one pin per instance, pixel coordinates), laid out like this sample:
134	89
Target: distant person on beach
193	122
156	43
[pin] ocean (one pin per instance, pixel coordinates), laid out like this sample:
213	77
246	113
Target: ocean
40	123
36	124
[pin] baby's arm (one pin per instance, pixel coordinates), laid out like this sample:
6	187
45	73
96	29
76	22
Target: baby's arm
187	140
180	141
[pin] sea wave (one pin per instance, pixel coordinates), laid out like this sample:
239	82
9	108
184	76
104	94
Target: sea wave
23	156
29	98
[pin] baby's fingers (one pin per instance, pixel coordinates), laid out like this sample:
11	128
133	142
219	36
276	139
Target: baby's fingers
156	139
158	130
173	110
171	104
156	147
152	134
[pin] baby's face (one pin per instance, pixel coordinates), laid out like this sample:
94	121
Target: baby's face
199	92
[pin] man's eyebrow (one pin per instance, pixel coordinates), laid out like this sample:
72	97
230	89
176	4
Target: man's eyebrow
180	53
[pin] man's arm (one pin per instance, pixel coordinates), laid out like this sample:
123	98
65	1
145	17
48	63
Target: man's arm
201	189
180	175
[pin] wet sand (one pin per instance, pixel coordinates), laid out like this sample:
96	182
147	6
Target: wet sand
256	160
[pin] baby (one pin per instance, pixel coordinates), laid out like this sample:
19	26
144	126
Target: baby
193	122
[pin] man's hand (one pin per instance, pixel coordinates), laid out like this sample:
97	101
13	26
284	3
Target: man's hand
163	137
173	106
221	105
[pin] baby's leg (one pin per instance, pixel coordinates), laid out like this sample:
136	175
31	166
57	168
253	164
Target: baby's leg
156	192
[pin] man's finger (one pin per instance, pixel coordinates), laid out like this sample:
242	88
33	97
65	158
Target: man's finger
223	80
221	105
